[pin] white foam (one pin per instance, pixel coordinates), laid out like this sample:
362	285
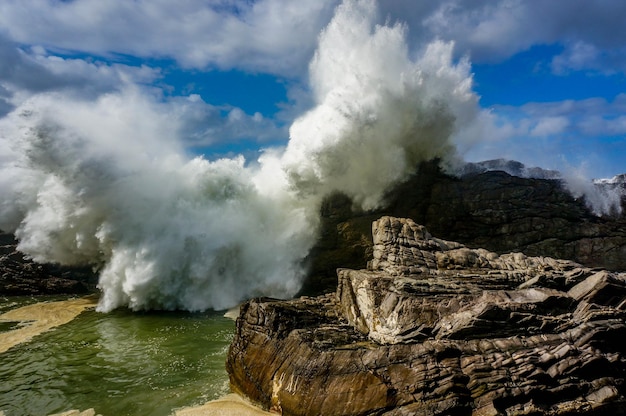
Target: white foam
109	183
166	230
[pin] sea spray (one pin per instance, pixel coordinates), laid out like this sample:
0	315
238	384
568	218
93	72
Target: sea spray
602	197
108	183
378	112
166	231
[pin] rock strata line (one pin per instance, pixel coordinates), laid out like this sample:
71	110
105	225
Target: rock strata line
432	327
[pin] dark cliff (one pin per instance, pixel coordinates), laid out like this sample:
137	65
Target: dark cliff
492	210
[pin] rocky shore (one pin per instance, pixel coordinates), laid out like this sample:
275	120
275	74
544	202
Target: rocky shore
432	327
22	276
411	324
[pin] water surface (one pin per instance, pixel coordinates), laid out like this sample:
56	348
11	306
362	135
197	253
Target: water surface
120	363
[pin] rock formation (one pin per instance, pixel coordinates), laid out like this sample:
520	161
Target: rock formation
21	276
433	327
488	209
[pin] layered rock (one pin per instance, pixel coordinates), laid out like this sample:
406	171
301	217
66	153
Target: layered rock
489	209
433	327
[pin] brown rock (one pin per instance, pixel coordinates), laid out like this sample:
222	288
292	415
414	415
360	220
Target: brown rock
473	333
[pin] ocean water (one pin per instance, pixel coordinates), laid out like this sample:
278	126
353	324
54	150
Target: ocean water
119	363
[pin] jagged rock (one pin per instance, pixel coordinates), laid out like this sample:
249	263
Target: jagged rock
483	209
22	276
437	328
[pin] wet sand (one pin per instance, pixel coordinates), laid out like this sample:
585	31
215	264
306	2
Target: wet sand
229	405
41	317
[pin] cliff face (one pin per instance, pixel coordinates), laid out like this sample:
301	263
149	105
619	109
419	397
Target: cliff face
491	210
433	327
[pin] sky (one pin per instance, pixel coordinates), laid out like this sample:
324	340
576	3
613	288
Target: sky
234	75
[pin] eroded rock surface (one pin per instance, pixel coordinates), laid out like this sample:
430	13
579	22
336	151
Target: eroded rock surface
435	328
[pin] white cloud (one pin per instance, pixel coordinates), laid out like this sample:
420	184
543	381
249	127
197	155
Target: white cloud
202	124
24	73
274	36
490	31
557	135
589	117
581	55
578	55
278	36
586	118
487	29
547	126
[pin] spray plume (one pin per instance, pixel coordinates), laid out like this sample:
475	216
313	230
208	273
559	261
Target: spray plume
108	183
378	112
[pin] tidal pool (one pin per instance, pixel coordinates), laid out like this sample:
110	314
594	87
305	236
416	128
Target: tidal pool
119	363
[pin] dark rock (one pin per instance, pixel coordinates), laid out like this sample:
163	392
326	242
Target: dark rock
436	328
488	209
21	276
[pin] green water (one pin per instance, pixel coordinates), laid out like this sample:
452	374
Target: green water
120	363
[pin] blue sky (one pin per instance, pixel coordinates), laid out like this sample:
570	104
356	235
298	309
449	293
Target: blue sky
550	75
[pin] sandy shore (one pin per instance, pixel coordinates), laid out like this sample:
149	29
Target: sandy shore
229	405
41	317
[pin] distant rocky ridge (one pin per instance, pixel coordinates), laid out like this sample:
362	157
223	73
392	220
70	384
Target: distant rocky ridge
615	180
433	327
511	167
484	208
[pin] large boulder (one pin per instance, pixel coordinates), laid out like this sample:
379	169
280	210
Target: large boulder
433	327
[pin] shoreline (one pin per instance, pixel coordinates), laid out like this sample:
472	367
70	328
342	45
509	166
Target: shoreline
40	317
230	405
